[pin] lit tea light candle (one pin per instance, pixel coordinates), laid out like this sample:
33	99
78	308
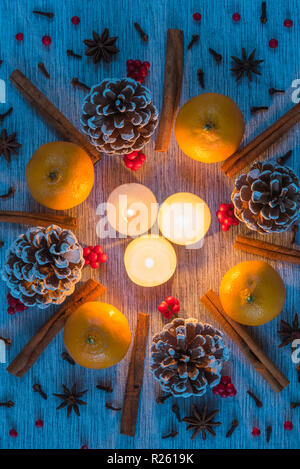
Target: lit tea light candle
184	218
132	209
150	260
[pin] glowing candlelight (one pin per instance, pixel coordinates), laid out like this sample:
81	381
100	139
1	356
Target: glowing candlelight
132	209
150	260
184	218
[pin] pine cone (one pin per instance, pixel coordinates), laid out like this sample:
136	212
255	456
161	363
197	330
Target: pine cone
267	198
187	357
118	116
43	265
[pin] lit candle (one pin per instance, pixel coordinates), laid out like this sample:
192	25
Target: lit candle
184	218
150	260
132	209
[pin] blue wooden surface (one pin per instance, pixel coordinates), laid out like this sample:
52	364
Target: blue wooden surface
164	174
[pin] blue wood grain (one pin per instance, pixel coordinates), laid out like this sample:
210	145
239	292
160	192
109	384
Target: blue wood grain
164	174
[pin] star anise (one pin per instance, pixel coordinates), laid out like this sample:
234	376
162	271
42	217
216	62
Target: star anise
101	47
245	65
288	333
71	399
202	422
8	144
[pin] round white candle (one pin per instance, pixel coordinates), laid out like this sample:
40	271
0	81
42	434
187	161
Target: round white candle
150	260
184	218
132	209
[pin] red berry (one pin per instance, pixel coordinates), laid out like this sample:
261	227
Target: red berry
224	207
225	380
224	227
163	307
84	447
137	63
170	300
20	37
129	62
168	314
46	40
142	157
13	433
221	216
273	43
102	258
11	300
93	257
235	221
19	308
236	17
39	423
146	64
288	426
11	310
229	221
98	249
95	265
230	213
86	262
216	391
175	309
288	23
86	251
255	431
197	16
75	20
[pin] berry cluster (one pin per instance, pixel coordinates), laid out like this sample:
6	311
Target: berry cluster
137	70
134	160
225	388
226	217
15	305
94	256
169	307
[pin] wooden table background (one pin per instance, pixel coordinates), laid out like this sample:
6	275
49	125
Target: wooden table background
164	174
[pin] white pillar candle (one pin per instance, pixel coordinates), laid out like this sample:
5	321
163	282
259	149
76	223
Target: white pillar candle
132	209
150	260
184	218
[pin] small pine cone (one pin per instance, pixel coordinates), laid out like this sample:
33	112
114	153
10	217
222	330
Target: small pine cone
118	116
43	265
187	357
267	198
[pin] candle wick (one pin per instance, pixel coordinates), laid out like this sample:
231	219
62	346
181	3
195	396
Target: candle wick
149	262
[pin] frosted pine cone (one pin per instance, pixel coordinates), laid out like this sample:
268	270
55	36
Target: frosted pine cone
43	266
118	116
187	357
267	198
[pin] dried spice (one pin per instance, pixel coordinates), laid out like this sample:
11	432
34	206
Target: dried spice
5	114
142	33
255	109
200	75
201	421
101	47
268	433
294	405
1	243
283	159
109	406
105	387
298	372
255	398
6	340
71	53
44	13
295	229
8	404
8	194
65	356
263	18
195	38
162	399
234	425
246	65
43	69
288	333
216	55
78	84
8	144
38	388
172	434
175	409
71	399
273	91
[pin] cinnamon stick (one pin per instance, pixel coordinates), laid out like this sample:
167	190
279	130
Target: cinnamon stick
172	88
38	219
269	250
135	377
252	351
89	291
261	143
50	112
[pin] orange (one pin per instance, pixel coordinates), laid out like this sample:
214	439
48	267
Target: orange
252	293
209	127
60	175
97	335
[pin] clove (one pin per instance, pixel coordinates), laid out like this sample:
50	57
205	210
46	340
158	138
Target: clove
38	388
1	243
263	18
6	340
255	398
65	356
298	372
195	38
161	399
44	13
78	84
268	433
104	387
8	194
109	405
71	53
142	33
170	435
283	159
295	229
8	404
5	114
234	425
175	409
255	109
294	405
200	75
273	91
216	55
43	69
